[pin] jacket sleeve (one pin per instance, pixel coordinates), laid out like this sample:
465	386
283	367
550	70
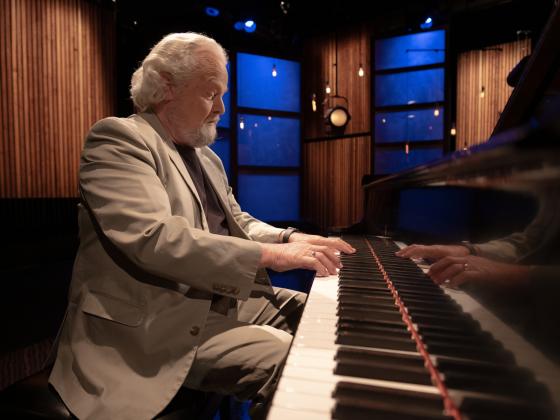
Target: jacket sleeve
120	183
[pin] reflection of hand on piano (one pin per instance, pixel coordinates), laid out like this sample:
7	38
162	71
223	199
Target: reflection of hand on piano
455	271
432	252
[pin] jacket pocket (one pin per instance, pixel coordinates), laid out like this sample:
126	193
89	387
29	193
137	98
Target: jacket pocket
113	309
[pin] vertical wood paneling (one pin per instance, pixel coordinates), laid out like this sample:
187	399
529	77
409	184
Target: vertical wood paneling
333	169
333	174
476	116
319	67
58	66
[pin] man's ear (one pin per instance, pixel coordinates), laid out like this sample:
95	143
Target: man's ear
169	88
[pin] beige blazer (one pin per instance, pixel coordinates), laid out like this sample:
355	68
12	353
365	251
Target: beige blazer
145	271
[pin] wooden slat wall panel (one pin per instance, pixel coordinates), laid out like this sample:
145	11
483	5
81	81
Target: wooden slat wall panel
333	169
58	66
476	116
333	175
318	64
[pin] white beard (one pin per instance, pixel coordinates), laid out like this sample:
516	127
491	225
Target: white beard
203	136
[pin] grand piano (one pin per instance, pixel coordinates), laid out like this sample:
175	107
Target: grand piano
382	340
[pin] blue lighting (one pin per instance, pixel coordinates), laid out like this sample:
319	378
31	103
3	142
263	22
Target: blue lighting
211	11
427	23
250	26
239	26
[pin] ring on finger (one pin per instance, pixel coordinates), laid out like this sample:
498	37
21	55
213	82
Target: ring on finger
313	253
465	266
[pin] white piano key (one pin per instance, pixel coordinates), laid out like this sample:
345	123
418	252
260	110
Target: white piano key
283	413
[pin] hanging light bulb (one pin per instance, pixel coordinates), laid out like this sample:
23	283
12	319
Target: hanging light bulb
241	123
406	149
482	92
453	131
314	103
274	72
436	111
328	89
361	71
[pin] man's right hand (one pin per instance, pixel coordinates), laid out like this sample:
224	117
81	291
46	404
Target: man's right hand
282	257
433	252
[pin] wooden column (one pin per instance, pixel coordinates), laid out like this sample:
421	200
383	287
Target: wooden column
333	168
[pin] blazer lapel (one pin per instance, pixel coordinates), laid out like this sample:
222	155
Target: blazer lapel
176	159
214	180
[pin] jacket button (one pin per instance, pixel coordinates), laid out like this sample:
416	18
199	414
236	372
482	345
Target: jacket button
195	330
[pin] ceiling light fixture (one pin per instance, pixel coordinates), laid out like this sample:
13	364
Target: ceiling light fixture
212	11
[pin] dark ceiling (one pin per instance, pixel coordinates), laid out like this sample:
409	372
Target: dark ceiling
281	30
282	24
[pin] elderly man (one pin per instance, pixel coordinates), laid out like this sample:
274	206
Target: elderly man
169	287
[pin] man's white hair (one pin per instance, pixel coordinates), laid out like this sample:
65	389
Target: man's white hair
173	60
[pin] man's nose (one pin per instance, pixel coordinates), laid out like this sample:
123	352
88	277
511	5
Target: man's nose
219	106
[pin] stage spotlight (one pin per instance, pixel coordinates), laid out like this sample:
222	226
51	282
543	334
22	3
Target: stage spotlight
250	26
336	116
427	24
212	11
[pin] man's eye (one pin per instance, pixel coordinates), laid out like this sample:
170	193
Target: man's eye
212	96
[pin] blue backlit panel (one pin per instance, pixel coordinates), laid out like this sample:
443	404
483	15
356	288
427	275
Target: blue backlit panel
413	125
268	141
224	119
410	50
413	87
435	211
391	161
222	148
257	88
269	197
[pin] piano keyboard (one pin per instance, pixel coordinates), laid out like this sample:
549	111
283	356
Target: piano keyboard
381	340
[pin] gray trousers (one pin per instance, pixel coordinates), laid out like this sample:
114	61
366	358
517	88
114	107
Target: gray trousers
242	352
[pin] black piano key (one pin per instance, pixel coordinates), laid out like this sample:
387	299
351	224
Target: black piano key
509	386
457	338
364	284
366	290
494	409
385	340
366	314
373	326
370	301
480	367
355	316
458	322
382	370
348	408
497	355
415	400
